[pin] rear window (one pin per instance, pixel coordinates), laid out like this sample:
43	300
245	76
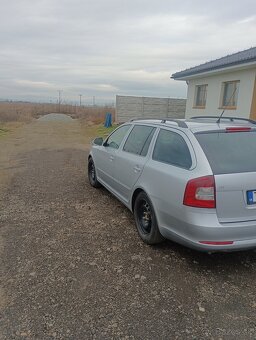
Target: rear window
229	152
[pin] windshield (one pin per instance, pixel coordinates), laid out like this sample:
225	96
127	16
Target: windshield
229	152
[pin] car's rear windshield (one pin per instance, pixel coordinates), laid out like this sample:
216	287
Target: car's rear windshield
229	152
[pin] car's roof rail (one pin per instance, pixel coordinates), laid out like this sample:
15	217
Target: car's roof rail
180	123
232	119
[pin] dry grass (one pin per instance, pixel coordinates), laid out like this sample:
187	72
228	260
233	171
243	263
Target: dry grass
96	130
8	127
93	114
25	112
3	131
15	112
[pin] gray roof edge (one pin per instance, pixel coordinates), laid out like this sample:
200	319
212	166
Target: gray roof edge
216	65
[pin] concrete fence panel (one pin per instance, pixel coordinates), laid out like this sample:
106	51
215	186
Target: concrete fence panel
130	107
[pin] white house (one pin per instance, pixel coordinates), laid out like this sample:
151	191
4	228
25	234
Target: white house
227	83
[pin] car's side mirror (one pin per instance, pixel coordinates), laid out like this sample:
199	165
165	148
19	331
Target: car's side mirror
98	141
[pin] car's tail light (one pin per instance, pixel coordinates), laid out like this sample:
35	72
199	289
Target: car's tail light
238	129
200	193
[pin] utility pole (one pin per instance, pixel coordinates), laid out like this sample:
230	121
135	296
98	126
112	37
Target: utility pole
80	95
59	99
93	100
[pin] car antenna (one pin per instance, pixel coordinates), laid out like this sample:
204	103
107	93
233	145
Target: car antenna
218	120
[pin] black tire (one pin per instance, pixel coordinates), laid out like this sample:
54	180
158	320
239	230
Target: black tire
145	220
92	174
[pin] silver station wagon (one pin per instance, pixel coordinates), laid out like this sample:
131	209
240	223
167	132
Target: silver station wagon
191	181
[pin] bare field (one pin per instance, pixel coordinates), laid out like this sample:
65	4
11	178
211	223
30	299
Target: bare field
14	115
73	267
26	112
15	137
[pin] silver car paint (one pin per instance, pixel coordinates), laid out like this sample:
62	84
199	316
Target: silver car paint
231	193
165	184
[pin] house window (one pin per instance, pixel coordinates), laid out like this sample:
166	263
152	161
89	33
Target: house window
200	96
229	94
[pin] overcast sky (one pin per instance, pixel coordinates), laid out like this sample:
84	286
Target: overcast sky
106	47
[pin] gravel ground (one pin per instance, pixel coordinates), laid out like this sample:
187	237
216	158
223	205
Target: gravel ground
73	266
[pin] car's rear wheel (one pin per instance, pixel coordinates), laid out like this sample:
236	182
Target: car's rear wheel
145	220
92	174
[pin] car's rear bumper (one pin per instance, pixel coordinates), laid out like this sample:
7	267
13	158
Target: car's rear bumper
237	245
198	228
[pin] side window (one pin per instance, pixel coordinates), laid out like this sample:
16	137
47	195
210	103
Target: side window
171	148
139	140
117	136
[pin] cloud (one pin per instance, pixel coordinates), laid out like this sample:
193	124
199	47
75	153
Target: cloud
101	48
37	84
247	20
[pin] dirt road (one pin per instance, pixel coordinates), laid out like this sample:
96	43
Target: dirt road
73	267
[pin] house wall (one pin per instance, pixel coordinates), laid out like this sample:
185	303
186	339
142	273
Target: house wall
131	107
244	100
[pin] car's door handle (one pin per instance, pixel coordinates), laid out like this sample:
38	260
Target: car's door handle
137	168
111	158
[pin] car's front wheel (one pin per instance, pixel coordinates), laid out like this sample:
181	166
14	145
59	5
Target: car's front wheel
92	174
145	220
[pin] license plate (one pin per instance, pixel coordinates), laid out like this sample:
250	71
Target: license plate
251	197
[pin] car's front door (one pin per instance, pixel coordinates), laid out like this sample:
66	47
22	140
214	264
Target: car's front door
105	157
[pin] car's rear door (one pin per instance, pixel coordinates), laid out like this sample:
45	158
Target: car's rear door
166	173
236	197
232	156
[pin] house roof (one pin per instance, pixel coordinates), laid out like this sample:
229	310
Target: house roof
238	58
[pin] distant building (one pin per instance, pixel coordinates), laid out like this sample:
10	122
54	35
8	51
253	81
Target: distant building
226	83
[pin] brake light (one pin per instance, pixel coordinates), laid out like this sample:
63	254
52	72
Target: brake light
200	193
238	129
